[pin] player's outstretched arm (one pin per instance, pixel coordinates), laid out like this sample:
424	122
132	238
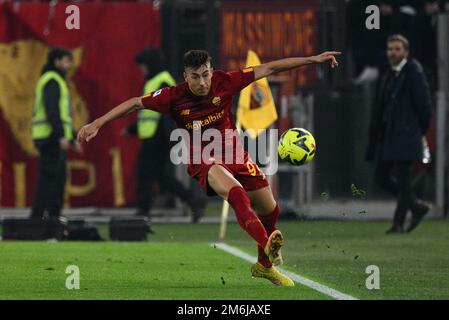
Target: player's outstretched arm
273	67
89	131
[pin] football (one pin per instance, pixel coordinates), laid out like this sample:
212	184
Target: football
297	146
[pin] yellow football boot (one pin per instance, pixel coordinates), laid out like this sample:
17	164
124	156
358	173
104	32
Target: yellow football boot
273	248
272	274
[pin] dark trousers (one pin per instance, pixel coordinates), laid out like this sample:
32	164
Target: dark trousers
50	183
154	166
395	177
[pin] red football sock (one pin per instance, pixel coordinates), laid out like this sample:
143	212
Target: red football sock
248	220
262	257
269	222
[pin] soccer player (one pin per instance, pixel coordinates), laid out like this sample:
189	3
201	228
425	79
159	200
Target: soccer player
203	101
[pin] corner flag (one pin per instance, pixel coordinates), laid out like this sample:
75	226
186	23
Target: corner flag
256	110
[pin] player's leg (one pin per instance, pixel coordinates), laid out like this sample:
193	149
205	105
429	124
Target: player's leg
267	209
227	187
263	202
253	179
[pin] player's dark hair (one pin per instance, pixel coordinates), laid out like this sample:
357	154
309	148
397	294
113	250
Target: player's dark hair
196	58
400	38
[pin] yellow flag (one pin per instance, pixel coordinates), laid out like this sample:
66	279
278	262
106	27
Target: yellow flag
256	110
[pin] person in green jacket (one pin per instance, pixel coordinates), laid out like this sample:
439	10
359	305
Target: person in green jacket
52	133
153	129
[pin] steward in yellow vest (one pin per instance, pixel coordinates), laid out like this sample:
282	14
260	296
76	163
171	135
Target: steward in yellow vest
154	130
52	115
148	120
52	133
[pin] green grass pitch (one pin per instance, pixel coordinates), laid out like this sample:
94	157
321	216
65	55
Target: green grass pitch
178	263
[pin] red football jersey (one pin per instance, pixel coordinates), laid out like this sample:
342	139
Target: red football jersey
193	113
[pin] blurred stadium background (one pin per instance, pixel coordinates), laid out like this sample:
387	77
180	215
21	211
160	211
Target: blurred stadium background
334	105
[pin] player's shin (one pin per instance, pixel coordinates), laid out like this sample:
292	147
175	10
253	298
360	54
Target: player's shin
246	217
269	222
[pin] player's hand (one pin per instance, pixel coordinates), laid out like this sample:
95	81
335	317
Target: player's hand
87	133
328	56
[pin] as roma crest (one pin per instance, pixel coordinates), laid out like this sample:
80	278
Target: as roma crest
216	101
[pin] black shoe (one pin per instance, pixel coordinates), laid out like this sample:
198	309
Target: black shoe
395	230
418	215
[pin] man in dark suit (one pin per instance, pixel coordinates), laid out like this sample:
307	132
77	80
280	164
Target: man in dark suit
400	119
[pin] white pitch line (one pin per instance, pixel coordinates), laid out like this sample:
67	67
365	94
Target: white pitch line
295	277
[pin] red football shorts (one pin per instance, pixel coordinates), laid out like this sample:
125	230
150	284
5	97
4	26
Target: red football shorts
249	175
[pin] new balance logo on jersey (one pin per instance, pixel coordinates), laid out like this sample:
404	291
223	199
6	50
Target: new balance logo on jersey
185	112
